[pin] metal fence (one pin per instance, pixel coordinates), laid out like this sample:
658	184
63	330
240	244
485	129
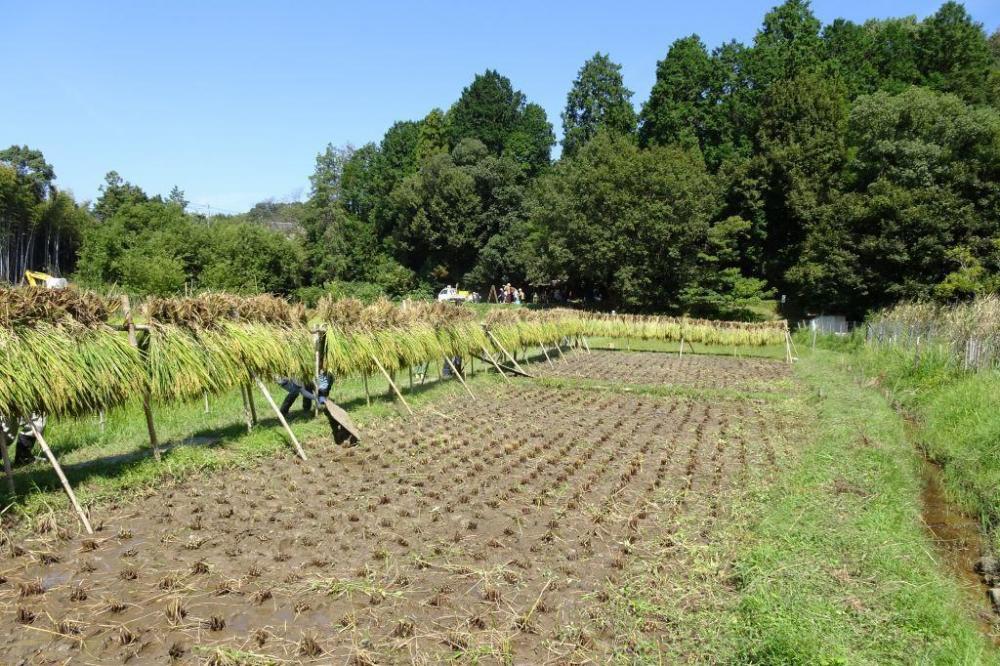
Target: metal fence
971	353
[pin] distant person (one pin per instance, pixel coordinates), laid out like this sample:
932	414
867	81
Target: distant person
318	392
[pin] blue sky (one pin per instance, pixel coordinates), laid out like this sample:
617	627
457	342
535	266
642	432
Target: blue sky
232	100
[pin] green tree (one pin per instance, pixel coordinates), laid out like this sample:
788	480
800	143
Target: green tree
115	193
40	227
679	105
434	214
598	99
530	144
954	53
787	44
801	153
432	135
30	166
623	222
177	198
489	110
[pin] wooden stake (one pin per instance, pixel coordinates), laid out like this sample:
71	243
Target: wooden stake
495	364
62	477
101	419
244	390
492	337
585	345
460	377
6	462
251	405
546	352
559	349
281	417
205	395
392	384
146	402
680	350
409	368
318	345
368	397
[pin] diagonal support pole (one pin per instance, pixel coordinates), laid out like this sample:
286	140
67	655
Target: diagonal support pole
455	372
546	352
392	384
62	477
496	365
281	417
506	353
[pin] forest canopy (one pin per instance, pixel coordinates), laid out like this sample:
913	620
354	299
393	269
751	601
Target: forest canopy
844	166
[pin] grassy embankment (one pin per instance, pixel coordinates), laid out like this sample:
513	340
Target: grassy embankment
827	562
956	416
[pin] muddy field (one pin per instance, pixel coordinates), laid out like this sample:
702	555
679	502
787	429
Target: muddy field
691	371
503	534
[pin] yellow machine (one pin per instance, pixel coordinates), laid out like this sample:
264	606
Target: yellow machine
37	279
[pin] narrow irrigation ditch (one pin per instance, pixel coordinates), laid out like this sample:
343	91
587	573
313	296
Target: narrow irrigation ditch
958	539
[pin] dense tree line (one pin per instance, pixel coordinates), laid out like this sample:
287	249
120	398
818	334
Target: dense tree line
843	166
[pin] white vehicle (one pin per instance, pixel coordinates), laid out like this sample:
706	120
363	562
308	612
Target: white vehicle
451	295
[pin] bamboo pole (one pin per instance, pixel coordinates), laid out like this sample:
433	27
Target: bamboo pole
246	408
318	345
559	349
392	384
492	337
546	352
495	364
368	396
281	417
680	350
146	401
585	345
409	369
4	441
251	405
205	396
460	377
62	477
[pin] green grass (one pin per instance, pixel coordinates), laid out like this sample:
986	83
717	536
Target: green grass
838	569
956	421
114	462
825	562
